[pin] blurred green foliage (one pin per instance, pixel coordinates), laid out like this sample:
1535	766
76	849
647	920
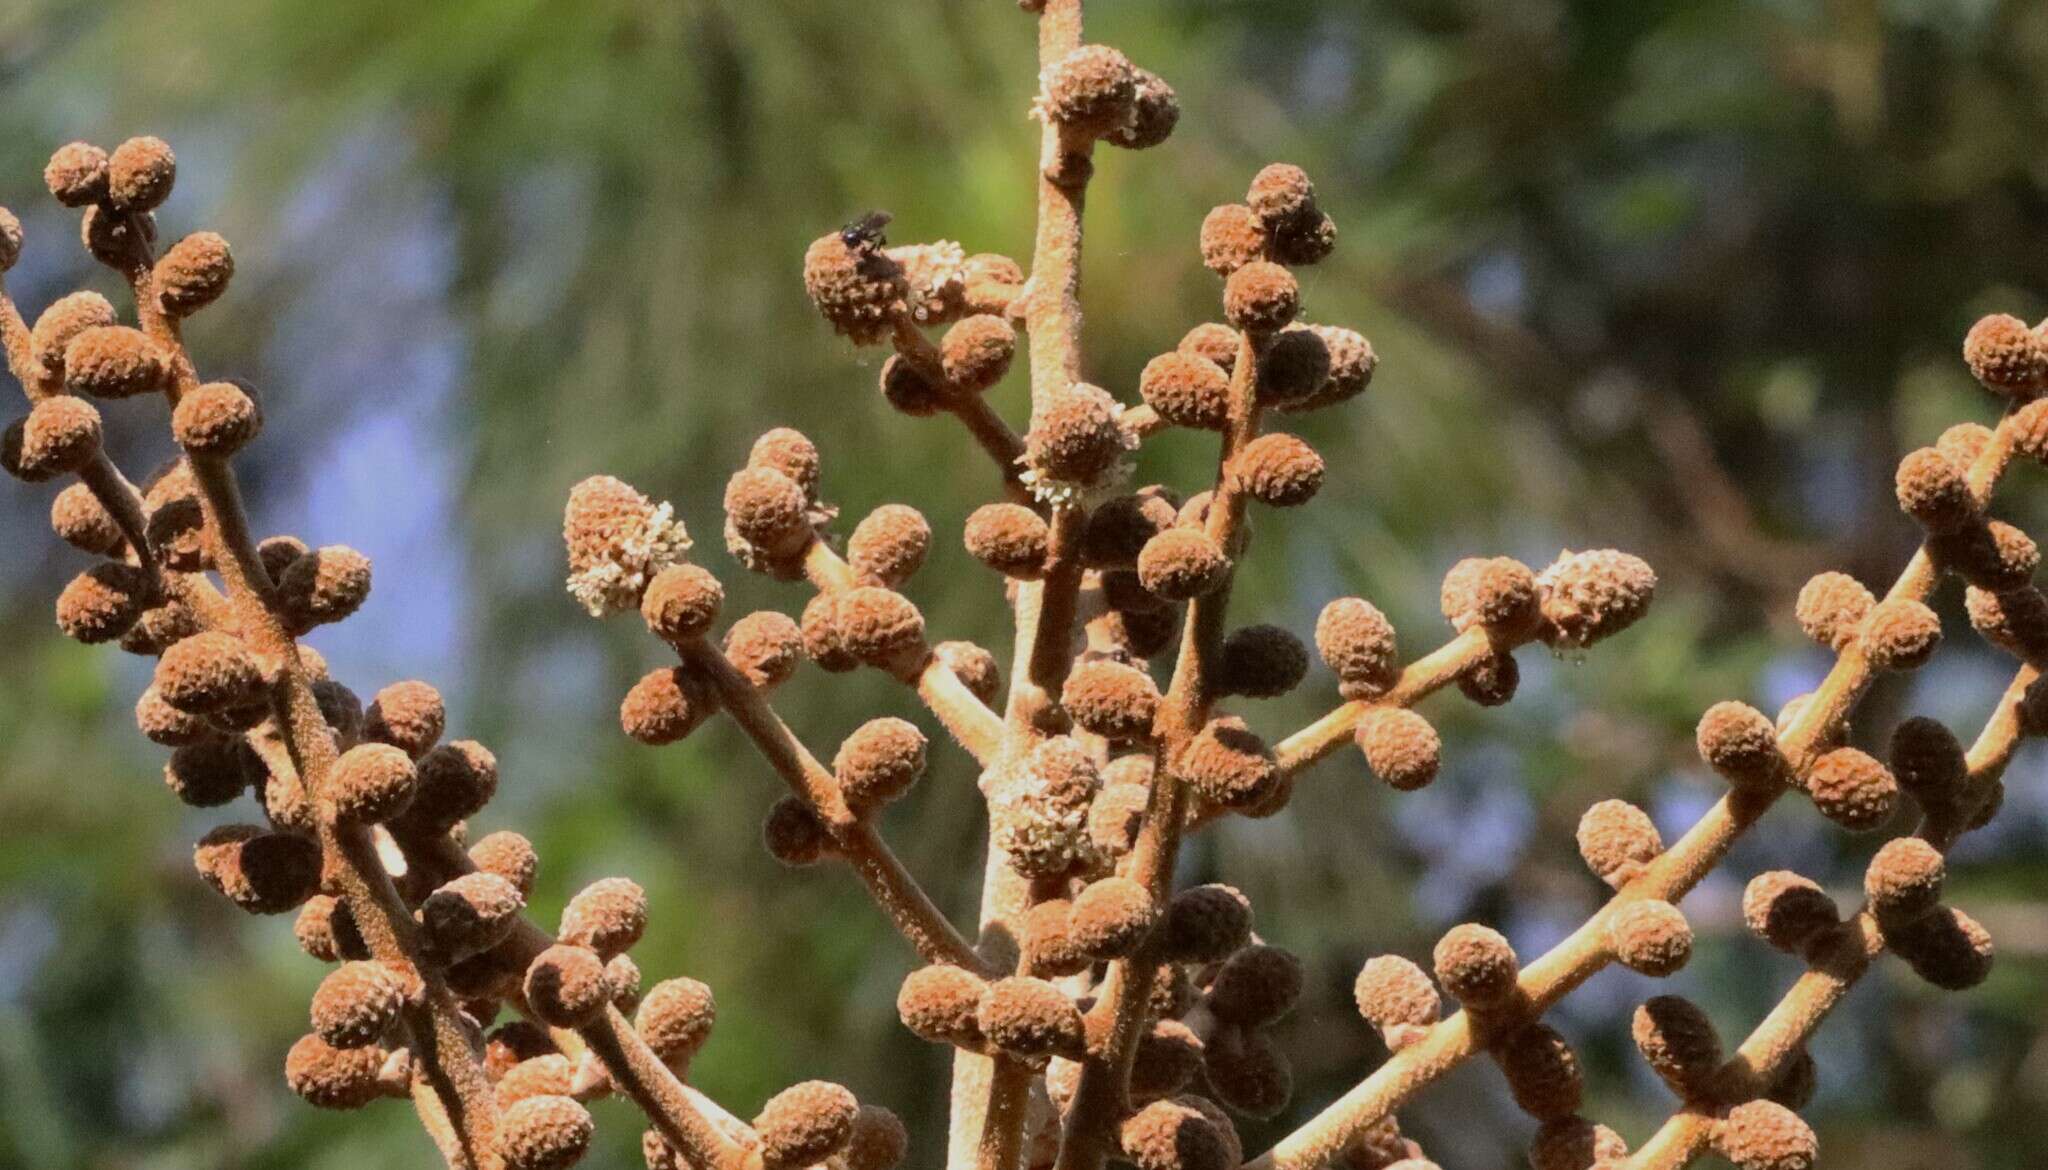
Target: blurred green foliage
1682	276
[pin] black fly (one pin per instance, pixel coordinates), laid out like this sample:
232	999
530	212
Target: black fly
866	232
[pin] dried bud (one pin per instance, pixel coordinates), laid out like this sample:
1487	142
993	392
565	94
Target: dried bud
10	239
566	986
327	931
1261	297
1592	595
1119	527
1305	241
372	782
1476	965
2016	622
1650	937
164	724
940	1004
1009	538
907	387
2029	429
1279	470
1400	747
263	873
879	762
1182	564
193	273
1680	1044
1228	764
1852	789
1618	841
1787	911
2006	356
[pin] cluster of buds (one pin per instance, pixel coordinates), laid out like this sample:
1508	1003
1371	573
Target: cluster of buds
1098	1011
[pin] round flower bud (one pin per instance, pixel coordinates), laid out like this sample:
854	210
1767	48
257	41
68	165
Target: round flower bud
100	604
1831	609
768	510
790	452
64	321
1542	1072
1764	1135
159	627
1262	662
889	545
1141	633
1182	564
1279	470
1357	642
940	1004
164	724
1256	985
278	552
2029	429
60	435
470	914
1228	764
1030	1018
79	520
140	173
804	1124
856	287
675	1019
1618	841
10	239
1281	192
1111	699
1650	937
1948	948
1049	947
1932	491
1903	882
1115	817
1741	743
263	873
1076	438
1111	917
1498	593
1186	391
1994	556
879	762
2016	622
1305	241
548	1132
608	916
114	361
666	705
1476	965
1400	747
681	602
1592	595
371	782
327	931
879	1140
324	586
176	529
77	174
766	646
1232	237
1168	1056
1261	297
407	715
1205	924
793	834
193	273
547	1074
974	666
977	352
1396	996
1247	1071
1852	789
1928	762
566	986
1213	342
1574	1143
1679	1042
909	389
456	780
1787	911
208	672
1009	538
823	640
327	1077
880	627
2006	356
211	772
510	856
1350	360
357	1003
1119	527
1901	634
1171	1135
1091	90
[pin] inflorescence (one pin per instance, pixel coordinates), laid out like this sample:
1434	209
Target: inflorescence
1099	1012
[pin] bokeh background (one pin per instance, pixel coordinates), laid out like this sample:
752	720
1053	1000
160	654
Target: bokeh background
1679	276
